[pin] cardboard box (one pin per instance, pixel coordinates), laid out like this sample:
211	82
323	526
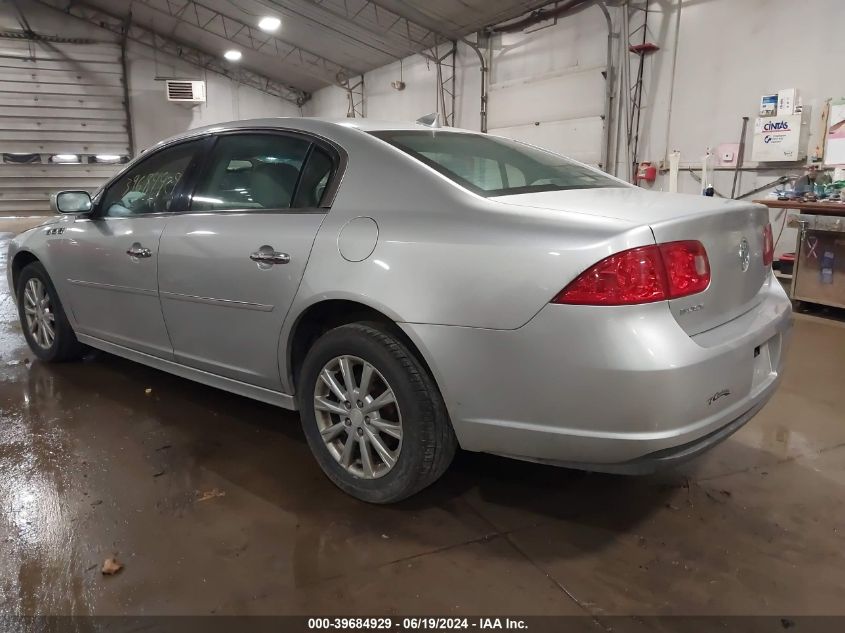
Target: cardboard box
787	100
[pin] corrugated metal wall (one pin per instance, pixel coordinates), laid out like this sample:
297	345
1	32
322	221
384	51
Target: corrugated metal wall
57	98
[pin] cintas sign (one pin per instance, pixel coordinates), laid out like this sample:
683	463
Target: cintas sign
773	125
779	139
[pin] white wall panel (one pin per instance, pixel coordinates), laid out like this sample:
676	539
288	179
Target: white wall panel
552	76
569	94
575	138
27	188
547	86
154	118
58	98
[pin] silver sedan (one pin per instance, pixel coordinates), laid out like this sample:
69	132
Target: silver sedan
412	289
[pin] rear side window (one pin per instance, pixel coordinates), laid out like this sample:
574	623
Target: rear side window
491	166
251	171
315	178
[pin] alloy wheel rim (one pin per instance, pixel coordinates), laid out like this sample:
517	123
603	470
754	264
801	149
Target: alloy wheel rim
358	417
40	319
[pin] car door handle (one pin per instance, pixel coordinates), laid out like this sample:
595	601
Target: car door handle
270	257
136	250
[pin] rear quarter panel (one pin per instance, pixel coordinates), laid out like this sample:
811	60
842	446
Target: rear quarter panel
445	256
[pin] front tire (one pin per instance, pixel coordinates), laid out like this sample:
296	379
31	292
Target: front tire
44	322
373	417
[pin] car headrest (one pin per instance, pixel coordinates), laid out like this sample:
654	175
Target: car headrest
272	184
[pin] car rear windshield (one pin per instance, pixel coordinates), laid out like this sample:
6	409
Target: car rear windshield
492	166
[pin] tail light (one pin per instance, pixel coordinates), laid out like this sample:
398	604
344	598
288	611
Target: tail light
768	246
641	275
687	267
632	276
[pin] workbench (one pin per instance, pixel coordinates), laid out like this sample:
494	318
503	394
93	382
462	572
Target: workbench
818	275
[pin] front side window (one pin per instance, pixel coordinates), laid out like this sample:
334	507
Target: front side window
491	166
149	186
251	171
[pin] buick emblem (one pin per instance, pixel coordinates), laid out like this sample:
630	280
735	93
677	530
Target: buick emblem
744	254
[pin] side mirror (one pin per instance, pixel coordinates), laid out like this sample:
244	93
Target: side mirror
71	202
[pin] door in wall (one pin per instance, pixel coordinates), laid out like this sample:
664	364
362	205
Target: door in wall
560	111
61	107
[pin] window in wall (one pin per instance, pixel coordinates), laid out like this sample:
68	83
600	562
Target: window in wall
251	171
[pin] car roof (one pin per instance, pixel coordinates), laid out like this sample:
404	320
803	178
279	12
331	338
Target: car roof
331	128
375	125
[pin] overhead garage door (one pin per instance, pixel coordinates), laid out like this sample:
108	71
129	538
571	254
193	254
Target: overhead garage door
561	111
62	120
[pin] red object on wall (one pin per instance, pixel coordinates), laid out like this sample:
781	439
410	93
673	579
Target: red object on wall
646	171
644	48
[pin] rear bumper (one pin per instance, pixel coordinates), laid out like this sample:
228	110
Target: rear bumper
668	457
620	389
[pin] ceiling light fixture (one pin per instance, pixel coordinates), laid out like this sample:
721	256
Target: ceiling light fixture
232	55
269	24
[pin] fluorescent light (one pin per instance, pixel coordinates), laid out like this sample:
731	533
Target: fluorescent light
232	55
269	24
107	158
65	158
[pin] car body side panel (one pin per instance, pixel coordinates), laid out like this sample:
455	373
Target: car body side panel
109	293
114	296
224	311
477	270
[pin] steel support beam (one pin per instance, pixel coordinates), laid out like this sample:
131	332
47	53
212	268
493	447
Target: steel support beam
203	17
399	32
638	31
184	52
444	65
354	97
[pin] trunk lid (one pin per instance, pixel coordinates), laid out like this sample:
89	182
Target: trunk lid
732	234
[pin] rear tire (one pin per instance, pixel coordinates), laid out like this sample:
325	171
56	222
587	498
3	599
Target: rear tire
379	453
45	326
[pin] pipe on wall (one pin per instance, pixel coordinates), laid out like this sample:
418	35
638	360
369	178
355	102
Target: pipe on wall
484	79
127	106
540	15
624	92
672	76
608	97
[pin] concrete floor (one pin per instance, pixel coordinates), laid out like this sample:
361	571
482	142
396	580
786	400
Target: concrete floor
214	505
